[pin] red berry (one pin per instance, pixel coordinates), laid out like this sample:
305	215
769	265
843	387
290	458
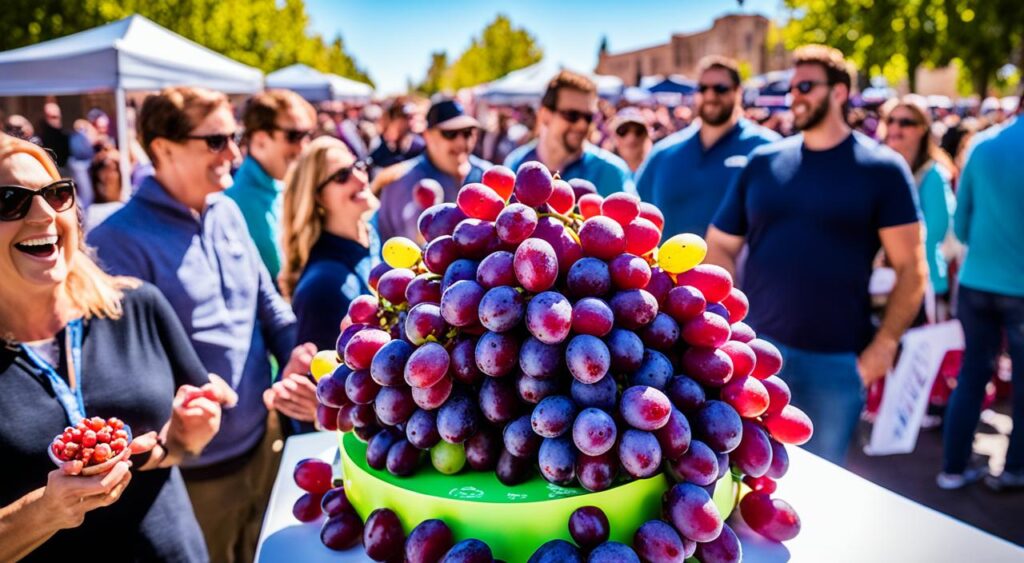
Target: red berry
500	179
119	444
102	453
115	423
96	423
120	434
86	455
650	212
590	205
89	438
57	446
67	436
71	450
103	436
76	435
642	236
622	207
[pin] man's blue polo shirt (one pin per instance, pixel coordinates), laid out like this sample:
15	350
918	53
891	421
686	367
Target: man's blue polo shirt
687	181
606	171
259	197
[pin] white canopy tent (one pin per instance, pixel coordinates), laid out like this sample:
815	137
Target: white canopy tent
527	85
129	54
317	86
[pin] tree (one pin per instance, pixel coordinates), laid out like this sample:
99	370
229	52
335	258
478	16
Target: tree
984	35
261	33
500	49
438	66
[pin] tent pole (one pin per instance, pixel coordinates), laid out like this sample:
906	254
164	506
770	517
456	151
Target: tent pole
120	100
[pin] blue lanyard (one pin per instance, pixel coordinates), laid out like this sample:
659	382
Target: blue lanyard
71	401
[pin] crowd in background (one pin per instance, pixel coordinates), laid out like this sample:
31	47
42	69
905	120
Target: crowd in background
257	224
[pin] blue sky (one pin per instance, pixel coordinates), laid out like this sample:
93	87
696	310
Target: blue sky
393	39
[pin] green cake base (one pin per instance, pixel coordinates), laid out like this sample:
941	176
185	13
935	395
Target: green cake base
513	521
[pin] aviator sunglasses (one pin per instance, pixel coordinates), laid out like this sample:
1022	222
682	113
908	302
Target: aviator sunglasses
15	201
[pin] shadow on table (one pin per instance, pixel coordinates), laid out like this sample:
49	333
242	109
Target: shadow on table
301	542
756	547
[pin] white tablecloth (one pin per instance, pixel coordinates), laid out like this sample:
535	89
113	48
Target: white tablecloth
845	519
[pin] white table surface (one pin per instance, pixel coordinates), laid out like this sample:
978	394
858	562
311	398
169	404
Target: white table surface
844	518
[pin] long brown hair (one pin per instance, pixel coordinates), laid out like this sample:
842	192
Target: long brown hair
927	149
94	292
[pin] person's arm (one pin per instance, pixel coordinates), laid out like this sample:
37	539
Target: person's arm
62	503
117	255
904	248
965	202
727	231
723	249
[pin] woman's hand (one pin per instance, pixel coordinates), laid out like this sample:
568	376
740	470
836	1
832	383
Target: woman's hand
294	393
68	496
195	418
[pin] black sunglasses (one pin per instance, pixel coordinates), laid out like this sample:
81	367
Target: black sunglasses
217	142
718	88
572	116
343	175
451	134
295	136
626	128
15	201
805	86
902	122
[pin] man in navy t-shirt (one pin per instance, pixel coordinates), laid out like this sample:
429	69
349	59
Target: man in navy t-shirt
814	210
687	174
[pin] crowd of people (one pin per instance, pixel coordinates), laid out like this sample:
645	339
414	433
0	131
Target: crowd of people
249	230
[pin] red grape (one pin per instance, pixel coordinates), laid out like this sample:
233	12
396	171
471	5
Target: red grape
313	476
590	205
496	270
393	283
642	236
791	426
742	332
742	356
602	238
440	253
424	322
706	329
342	531
698	465
428	193
778	394
475	238
657	542
769	359
383	537
363	309
588	358
763	484
536	265
737	305
424	288
427	365
707	365
567	248
533	185
562	199
692	512
713	281
580	187
515	223
622	207
431	539
754	454
774	519
629	271
684	303
589	527
747	395
549	317
592	316
645	408
500	179
307	508
480	202
460	301
651	212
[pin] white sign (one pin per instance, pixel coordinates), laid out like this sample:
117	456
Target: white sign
908	386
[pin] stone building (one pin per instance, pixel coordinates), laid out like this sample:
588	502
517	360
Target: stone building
740	36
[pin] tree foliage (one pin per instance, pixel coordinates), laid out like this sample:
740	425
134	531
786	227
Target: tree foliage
500	49
266	34
896	37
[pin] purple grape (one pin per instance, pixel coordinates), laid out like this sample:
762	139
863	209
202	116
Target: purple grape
439	220
597	473
463	362
421	429
601	394
388	365
501	309
699	465
557	461
392	285
592	316
365	433
394	405
659	286
556	551
499	400
645	408
383	537
662	334
459	270
342	531
723	468
613	552
692	512
362	416
587	358
457	419
334	502
533	184
533	389
439	254
780	460
346	336
469	551
549	317
754	454
657	542
424	288
566	247
515	223
330	390
512	470
403	458
627	350
553	416
536	265
307	507
655	370
540	360
428	542
639	453
483	449
426	365
718	309
580	187
459	303
675	436
519	438
496	353
360	387
686	394
589	527
423	323
496	270
633	308
594	432
430	398
710	366
684	303
725	548
719	426
589	277
475	238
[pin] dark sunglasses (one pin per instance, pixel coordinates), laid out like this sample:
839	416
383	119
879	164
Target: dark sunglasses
805	86
573	116
15	201
217	142
635	128
903	122
295	136
343	175
717	88
466	133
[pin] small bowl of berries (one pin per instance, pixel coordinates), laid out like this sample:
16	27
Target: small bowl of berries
97	443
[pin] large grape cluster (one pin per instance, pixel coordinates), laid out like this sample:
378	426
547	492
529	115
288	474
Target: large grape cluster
539	328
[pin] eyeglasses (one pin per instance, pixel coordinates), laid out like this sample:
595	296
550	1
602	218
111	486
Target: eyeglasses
343	175
717	88
627	128
295	136
573	116
15	201
805	86
466	133
904	122
218	141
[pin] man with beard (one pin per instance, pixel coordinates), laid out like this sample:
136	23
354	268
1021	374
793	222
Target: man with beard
687	173
566	115
450	136
814	210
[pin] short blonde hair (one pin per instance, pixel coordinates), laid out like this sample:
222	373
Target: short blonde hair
91	290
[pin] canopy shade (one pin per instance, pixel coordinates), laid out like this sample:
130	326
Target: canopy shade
130	54
317	86
527	85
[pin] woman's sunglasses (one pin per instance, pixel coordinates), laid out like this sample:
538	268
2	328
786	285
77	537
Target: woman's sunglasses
343	175
466	133
217	142
902	122
15	201
627	128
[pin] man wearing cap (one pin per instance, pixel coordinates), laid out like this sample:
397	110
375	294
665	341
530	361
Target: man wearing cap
398	141
566	115
278	125
687	173
450	137
630	137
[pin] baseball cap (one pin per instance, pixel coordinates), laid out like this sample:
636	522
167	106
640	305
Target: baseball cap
448	115
627	115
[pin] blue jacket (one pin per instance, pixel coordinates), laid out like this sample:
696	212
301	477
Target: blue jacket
260	199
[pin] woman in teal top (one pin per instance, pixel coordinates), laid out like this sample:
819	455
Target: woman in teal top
908	131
